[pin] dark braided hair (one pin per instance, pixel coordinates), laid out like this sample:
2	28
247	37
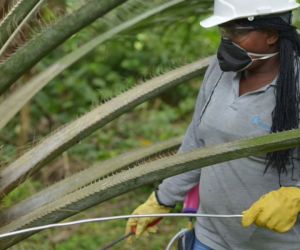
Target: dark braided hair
285	115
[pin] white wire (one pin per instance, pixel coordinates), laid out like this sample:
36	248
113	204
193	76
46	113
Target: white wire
101	219
181	232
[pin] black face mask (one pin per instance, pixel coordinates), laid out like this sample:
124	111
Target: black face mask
232	57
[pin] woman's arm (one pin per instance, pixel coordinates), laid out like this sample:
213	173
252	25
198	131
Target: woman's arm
174	189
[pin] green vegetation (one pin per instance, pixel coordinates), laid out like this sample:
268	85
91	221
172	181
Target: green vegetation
154	46
151	48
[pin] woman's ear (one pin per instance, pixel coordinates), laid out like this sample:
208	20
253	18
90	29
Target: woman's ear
272	37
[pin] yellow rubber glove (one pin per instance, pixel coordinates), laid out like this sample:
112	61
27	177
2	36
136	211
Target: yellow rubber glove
277	210
151	206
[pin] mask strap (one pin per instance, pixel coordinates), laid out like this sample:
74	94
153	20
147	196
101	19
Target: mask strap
262	56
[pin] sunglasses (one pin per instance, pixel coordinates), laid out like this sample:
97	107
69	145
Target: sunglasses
235	31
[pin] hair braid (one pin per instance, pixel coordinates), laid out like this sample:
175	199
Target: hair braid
285	115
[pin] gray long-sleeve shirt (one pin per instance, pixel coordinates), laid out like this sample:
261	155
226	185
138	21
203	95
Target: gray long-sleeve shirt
220	116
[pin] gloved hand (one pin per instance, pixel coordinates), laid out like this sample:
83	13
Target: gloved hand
277	210
151	206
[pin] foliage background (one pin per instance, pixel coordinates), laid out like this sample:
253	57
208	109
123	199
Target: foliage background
157	46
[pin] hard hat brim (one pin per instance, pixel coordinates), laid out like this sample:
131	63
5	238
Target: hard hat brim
214	21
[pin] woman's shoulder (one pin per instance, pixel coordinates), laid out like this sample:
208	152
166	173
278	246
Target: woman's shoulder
213	66
213	69
212	73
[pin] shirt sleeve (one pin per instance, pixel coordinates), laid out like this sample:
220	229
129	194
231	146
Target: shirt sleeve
175	188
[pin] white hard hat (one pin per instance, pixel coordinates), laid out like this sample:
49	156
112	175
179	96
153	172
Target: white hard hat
228	10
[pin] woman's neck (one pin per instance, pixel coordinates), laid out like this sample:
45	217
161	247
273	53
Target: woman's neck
267	68
259	76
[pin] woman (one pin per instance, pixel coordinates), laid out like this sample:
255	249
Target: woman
250	89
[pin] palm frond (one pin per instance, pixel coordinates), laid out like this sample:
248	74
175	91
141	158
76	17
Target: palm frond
88	176
38	47
69	135
137	176
19	27
16	15
17	99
